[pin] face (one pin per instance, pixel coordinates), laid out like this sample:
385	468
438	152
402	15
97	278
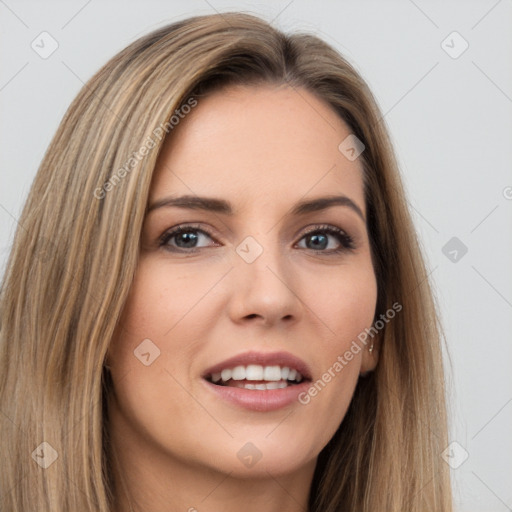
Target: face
247	288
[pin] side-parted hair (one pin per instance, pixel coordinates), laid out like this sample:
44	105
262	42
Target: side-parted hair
75	254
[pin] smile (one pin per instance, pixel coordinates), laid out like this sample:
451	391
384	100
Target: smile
256	377
259	381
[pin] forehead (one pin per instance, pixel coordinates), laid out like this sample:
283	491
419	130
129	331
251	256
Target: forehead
257	145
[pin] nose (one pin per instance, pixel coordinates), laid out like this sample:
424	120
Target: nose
264	291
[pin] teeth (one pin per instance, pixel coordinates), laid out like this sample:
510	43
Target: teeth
238	373
254	372
261	387
272	373
226	374
257	372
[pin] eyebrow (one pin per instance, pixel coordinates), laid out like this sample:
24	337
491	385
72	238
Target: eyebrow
224	207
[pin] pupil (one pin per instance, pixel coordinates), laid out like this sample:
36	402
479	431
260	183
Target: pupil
189	238
314	239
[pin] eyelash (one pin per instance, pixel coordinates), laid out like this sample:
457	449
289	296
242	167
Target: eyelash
345	240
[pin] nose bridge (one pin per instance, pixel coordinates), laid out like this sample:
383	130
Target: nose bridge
261	257
263	282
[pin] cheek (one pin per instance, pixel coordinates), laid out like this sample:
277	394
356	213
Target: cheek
150	356
162	296
149	337
347	309
347	303
164	305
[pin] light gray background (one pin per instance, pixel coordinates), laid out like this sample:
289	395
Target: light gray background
451	123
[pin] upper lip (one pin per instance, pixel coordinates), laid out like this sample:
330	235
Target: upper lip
264	359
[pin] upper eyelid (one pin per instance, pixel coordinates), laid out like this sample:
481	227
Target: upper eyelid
170	233
209	232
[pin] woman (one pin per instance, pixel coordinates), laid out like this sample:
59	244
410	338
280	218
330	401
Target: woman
215	297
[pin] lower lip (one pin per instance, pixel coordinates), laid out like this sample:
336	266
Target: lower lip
260	400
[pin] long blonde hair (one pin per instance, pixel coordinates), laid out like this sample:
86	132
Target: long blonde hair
75	254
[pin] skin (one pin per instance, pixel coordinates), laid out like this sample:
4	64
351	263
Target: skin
262	148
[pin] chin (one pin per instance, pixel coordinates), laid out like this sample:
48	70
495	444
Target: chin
259	454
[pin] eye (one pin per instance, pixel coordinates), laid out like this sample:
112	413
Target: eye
183	238
187	238
318	238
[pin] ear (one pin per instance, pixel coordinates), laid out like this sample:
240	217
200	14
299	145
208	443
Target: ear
370	356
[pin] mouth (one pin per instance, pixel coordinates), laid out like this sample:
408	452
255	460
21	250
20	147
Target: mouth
257	377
